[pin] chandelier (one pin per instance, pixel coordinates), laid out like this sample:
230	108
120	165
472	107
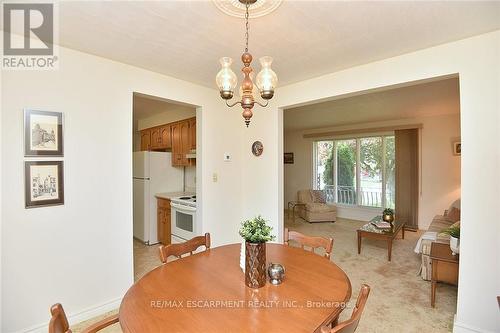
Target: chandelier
265	81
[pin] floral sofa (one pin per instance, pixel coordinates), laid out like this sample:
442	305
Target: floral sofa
433	234
315	208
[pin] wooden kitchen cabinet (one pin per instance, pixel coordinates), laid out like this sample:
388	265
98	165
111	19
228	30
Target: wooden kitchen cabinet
155	138
145	140
176	144
185	142
161	138
181	142
179	137
192	133
165	137
163	221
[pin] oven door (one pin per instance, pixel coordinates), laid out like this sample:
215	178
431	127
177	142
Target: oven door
183	221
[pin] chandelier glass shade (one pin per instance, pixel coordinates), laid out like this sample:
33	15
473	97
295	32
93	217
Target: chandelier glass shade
226	79
265	81
267	78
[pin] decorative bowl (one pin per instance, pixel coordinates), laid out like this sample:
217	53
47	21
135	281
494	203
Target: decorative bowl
276	273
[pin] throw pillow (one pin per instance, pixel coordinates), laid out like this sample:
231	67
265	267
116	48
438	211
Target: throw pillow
318	196
454	214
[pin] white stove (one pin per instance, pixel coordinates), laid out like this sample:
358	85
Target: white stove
188	200
183	216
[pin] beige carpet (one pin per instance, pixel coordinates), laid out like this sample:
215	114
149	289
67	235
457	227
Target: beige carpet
399	299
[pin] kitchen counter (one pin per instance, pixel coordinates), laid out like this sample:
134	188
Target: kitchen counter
170	195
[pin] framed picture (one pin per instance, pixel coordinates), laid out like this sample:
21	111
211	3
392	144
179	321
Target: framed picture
44	183
43	133
457	148
257	148
288	158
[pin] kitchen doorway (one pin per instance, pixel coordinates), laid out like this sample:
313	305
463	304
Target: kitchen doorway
164	157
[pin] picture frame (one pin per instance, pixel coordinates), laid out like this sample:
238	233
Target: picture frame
44	183
43	133
457	148
257	148
288	158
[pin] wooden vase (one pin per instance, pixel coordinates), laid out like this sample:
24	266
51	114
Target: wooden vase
255	264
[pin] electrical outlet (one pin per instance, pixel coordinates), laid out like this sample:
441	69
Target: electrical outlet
227	157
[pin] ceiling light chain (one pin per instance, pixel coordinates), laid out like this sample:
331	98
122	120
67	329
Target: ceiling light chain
247	5
266	80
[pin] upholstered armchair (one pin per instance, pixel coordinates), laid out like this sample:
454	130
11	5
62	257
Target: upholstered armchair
315	208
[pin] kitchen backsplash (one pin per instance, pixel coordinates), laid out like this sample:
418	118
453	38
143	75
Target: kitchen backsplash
190	179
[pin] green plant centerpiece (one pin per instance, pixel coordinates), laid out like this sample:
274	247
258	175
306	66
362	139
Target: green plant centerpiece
388	215
256	233
454	232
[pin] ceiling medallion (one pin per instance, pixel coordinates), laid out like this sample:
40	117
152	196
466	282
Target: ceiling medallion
257	8
266	80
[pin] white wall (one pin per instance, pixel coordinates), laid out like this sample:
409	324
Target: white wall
190	179
80	254
477	61
439	186
259	181
165	117
1	201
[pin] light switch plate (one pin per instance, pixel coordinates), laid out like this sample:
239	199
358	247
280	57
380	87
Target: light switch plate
215	177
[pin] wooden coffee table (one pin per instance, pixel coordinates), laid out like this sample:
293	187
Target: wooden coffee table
371	231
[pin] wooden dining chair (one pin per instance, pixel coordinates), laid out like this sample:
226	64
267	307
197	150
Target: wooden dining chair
59	321
350	325
177	250
310	241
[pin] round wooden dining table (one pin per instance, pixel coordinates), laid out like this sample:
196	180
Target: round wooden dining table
206	292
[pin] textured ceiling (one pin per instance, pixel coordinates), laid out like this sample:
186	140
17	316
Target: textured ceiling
427	99
185	39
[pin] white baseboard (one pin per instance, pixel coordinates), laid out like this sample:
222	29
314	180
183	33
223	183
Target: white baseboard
459	327
75	318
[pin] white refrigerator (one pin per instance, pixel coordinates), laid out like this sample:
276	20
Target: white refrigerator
152	173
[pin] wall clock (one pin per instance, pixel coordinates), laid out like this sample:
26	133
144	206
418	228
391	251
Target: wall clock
257	148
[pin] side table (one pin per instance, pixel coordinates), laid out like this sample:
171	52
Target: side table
444	267
292	205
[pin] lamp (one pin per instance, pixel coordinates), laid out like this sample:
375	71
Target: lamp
265	81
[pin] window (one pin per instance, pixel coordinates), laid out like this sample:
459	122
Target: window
358	171
323	169
346	175
370	175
